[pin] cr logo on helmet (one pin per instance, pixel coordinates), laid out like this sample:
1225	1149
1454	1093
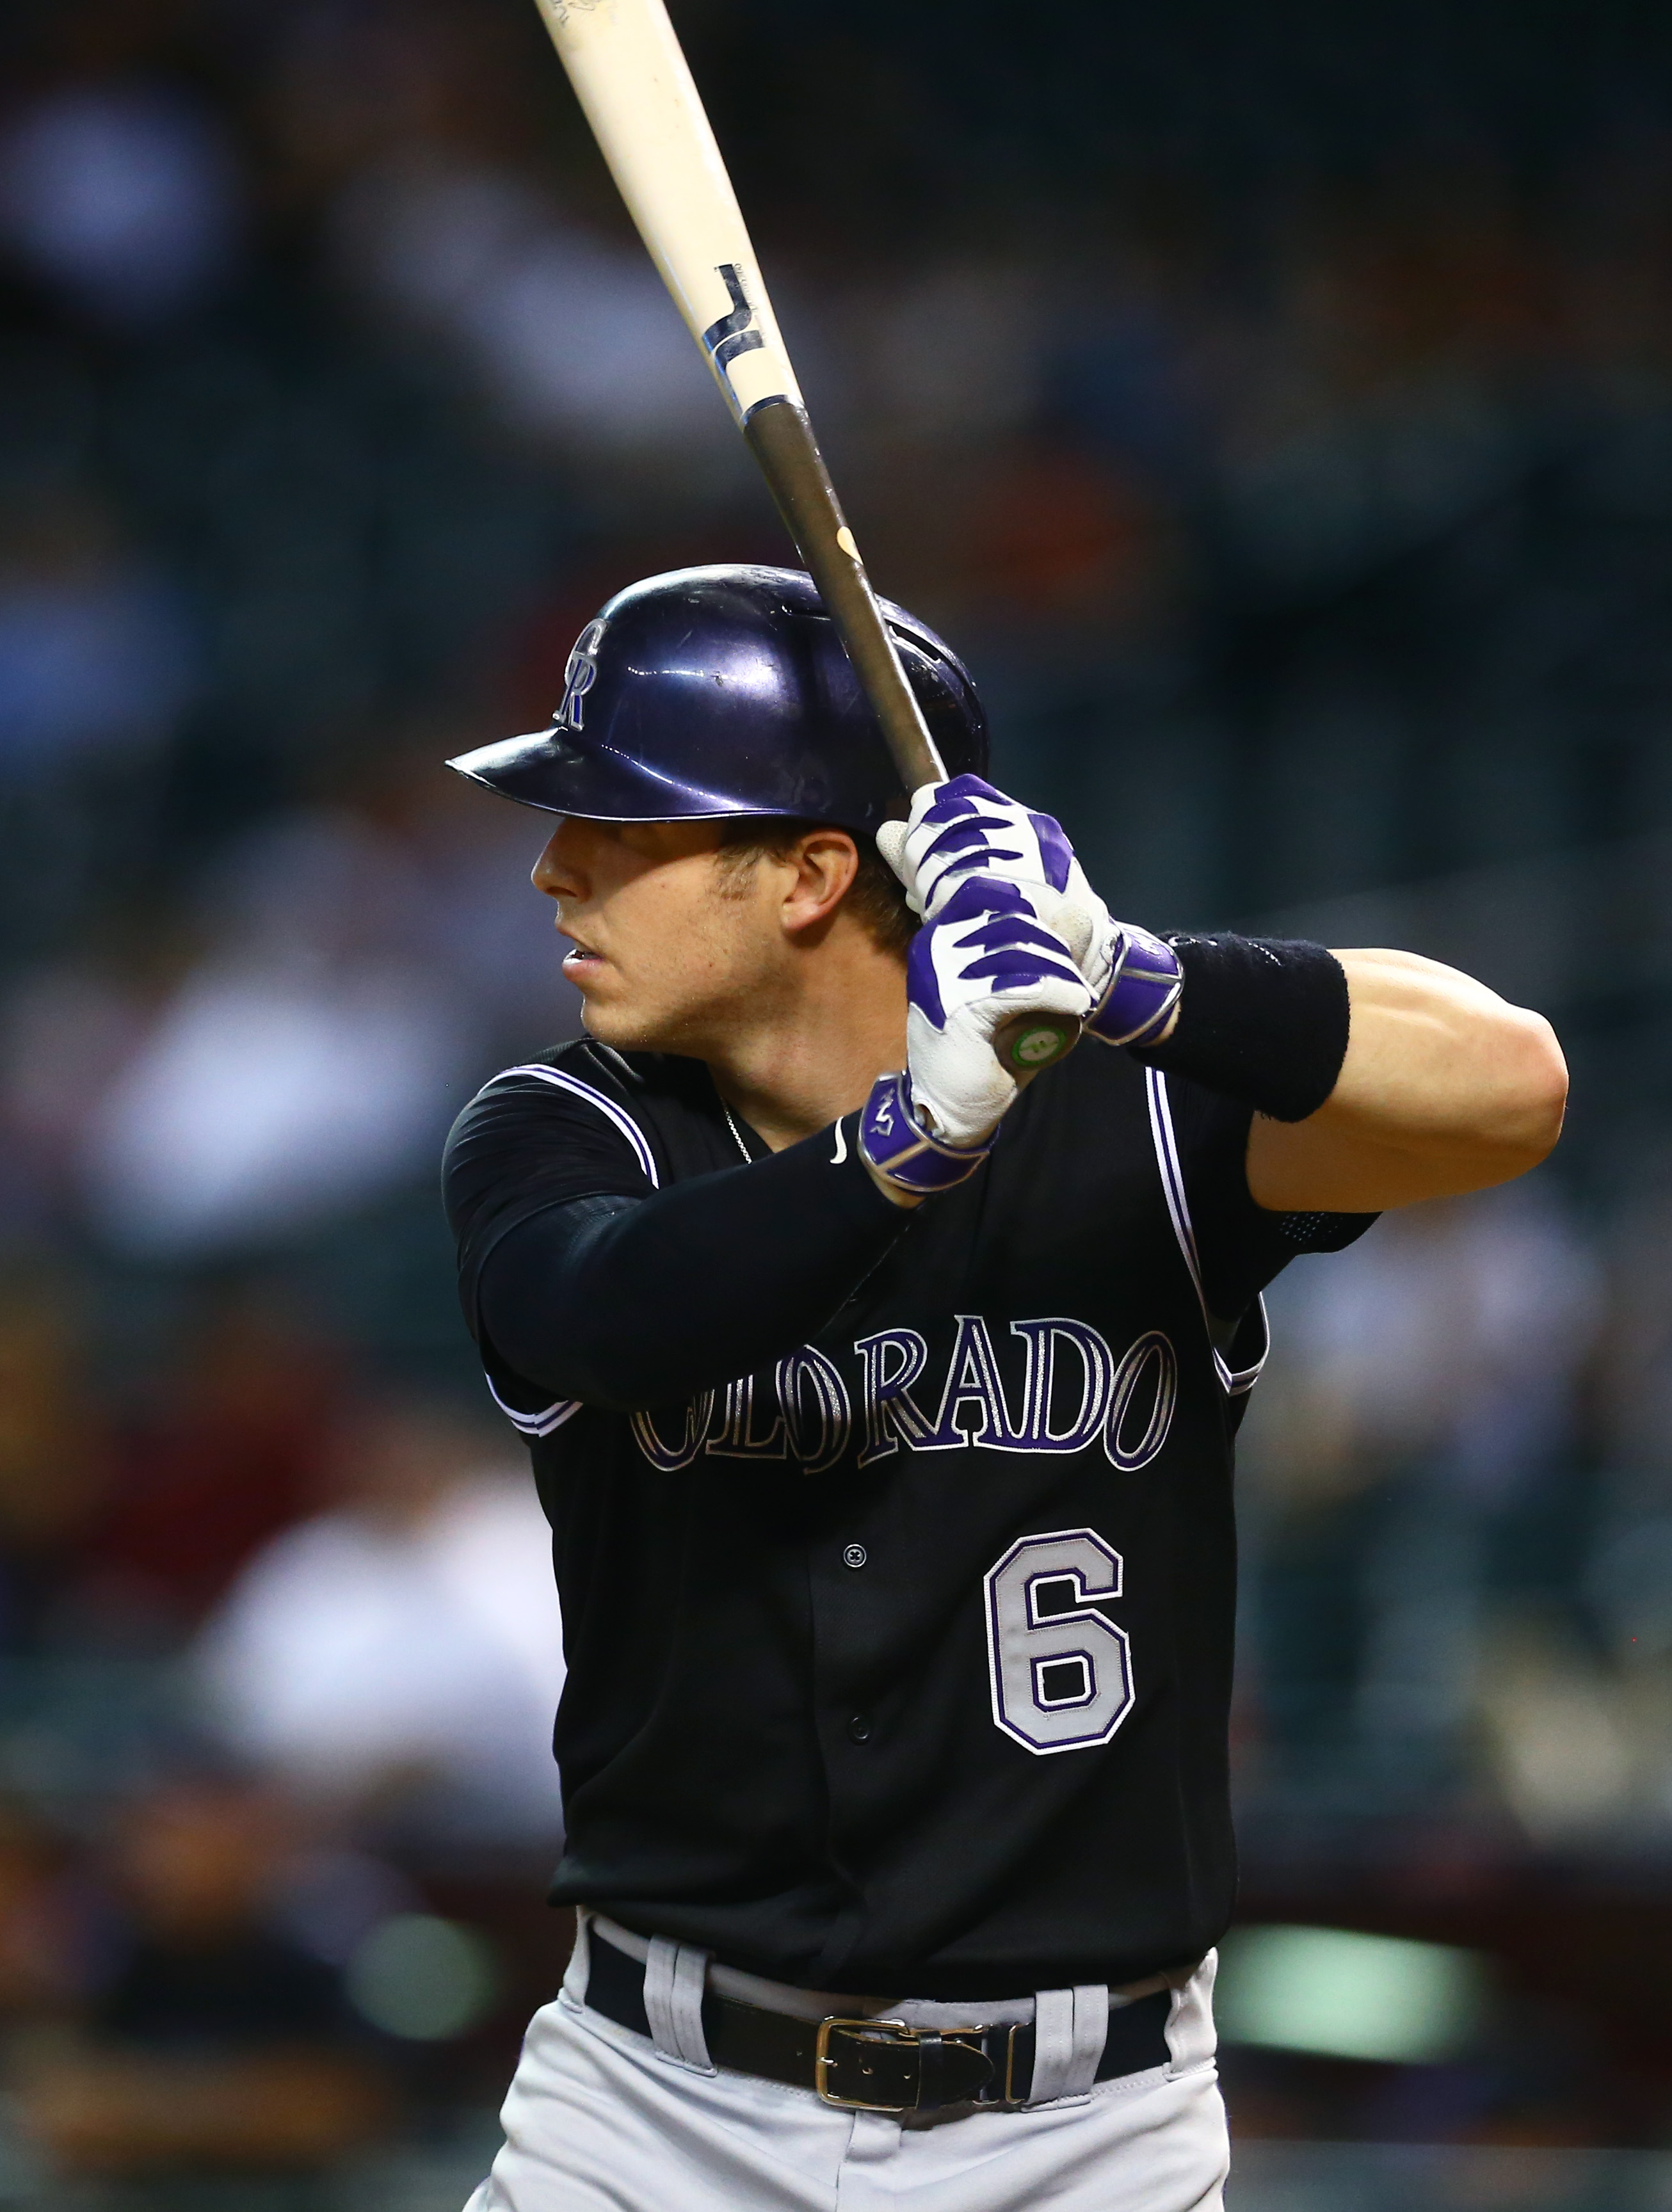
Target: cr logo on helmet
580	674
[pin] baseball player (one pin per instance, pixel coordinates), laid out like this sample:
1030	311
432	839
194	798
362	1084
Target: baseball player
883	1405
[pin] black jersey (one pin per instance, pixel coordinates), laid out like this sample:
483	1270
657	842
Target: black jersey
902	1665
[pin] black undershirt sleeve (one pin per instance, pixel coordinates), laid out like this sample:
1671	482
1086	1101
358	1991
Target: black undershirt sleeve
581	1280
1264	1018
626	1301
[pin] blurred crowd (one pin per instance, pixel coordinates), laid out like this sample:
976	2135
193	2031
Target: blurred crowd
1282	425
281	1656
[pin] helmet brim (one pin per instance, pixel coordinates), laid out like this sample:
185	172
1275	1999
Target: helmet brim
558	772
548	769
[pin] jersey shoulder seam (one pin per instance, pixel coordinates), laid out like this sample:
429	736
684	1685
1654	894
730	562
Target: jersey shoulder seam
541	1073
1236	1383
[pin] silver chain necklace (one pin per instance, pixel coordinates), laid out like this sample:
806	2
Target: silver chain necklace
736	1132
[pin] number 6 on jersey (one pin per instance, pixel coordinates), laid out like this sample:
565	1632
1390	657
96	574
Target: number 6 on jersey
1061	1670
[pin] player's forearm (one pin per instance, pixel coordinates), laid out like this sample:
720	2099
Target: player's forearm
713	1278
1446	1087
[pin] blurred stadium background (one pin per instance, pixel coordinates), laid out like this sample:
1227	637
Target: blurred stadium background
1276	408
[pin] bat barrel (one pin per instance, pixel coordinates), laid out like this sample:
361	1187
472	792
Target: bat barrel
624	61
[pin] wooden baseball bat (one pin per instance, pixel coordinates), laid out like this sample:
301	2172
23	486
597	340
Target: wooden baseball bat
635	87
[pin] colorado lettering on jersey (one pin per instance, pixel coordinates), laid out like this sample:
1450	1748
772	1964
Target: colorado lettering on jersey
1074	1392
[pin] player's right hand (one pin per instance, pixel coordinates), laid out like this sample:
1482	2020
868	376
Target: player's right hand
983	960
965	828
964	832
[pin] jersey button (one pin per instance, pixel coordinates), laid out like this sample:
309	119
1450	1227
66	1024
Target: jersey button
854	1556
860	1728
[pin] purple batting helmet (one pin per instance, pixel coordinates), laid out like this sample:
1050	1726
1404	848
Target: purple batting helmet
727	690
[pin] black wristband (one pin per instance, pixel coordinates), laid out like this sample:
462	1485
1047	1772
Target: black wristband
1260	1018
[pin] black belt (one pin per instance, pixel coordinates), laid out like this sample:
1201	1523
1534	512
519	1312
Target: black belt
875	2066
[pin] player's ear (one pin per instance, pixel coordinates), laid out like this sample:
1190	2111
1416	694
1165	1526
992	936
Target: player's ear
826	862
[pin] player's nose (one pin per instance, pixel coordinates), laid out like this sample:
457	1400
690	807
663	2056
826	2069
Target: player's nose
558	871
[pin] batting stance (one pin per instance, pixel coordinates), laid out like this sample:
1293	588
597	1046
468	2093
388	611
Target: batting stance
883	1405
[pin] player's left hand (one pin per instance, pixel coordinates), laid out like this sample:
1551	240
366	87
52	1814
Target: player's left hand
984	960
981	963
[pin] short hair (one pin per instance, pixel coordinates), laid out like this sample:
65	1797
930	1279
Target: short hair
876	898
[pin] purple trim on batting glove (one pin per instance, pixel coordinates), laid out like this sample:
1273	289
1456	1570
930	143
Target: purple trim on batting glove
979	895
968	830
899	1147
971	841
1006	939
922	984
968	837
1143	990
1054	850
1011	971
958	798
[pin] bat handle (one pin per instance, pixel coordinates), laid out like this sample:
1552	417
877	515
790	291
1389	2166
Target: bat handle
1027	1042
781	438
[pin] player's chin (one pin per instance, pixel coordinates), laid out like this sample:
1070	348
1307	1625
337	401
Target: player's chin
614	1020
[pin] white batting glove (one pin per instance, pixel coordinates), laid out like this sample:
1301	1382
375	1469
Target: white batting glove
986	958
966	828
963	832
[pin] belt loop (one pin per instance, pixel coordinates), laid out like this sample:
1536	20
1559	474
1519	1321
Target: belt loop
1070	2028
578	1971
1190	2036
674	1974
